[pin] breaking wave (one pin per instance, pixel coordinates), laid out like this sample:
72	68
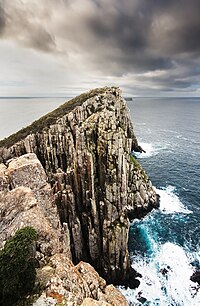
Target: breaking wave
166	279
165	265
170	202
150	150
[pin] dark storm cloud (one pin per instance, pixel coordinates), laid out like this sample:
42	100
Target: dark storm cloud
178	27
115	37
142	35
2	18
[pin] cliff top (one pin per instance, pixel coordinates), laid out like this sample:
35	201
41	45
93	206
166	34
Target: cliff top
51	117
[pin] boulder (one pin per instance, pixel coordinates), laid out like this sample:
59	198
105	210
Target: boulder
196	277
29	202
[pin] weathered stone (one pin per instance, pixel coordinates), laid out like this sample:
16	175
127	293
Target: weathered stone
3	179
30	203
91	302
72	285
86	155
26	171
113	297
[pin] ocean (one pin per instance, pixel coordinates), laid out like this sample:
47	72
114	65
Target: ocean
18	112
164	246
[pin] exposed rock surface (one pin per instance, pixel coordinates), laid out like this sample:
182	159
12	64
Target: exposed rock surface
96	183
27	199
196	277
73	285
91	302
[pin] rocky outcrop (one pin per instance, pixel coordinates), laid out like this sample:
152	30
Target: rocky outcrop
73	285
26	199
97	184
196	277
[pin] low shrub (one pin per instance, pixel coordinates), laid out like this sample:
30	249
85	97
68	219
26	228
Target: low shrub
17	266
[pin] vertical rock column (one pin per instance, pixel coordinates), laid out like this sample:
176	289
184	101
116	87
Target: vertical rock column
86	155
92	194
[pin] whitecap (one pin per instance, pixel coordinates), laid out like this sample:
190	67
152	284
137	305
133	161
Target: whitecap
170	202
165	279
149	149
177	281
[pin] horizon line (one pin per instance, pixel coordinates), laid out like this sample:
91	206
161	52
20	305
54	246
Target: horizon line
126	97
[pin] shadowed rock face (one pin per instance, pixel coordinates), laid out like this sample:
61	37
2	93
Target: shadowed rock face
96	183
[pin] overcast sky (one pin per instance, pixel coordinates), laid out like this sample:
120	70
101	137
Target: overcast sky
63	47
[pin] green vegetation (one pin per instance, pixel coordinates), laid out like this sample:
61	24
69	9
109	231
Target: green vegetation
138	167
50	118
17	266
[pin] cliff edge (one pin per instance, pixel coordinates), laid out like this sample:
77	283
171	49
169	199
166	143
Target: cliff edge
85	149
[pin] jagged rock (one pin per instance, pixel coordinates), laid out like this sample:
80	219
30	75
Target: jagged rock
3	180
196	277
84	147
26	171
30	202
72	285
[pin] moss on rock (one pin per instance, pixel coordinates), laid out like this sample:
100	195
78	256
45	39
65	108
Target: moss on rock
17	266
138	168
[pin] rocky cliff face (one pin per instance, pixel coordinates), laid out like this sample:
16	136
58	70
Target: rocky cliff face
96	183
26	199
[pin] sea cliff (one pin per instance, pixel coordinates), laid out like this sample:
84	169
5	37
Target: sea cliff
83	183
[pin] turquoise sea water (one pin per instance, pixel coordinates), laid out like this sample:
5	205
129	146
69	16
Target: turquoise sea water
168	238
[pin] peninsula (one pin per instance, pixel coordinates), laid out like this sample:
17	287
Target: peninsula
72	177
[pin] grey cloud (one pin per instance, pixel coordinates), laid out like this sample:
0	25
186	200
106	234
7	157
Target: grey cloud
175	79
38	38
114	37
127	29
2	19
177	28
26	25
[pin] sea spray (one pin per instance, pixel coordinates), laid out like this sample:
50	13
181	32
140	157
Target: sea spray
168	130
166	279
166	266
150	149
170	202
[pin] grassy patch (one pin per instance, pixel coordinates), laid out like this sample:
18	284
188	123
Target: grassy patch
50	118
138	167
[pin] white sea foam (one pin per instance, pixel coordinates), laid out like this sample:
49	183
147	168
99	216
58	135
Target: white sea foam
150	150
170	202
166	272
166	279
